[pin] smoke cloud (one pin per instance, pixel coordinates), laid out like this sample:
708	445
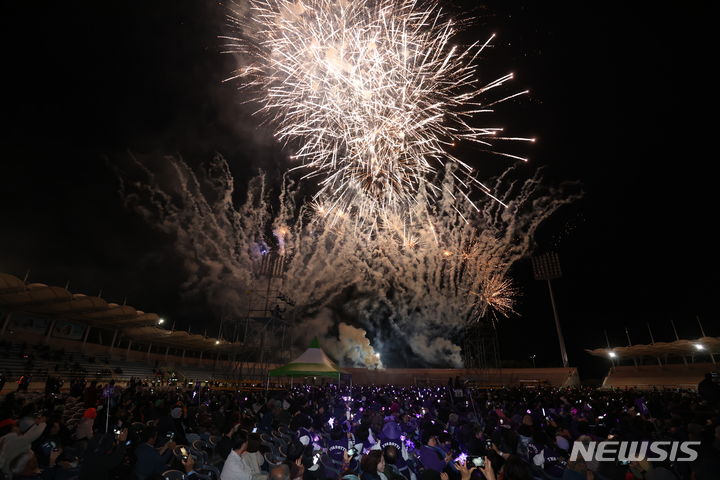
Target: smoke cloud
398	289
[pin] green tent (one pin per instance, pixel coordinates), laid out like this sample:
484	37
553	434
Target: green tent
312	363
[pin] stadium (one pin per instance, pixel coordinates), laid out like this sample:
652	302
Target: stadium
358	240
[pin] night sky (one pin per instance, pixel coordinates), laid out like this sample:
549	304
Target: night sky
620	102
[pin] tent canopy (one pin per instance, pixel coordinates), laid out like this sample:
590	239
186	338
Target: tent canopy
312	363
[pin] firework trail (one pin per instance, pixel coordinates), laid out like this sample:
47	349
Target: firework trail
372	96
416	290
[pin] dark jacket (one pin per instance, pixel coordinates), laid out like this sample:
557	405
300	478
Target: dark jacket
101	458
149	461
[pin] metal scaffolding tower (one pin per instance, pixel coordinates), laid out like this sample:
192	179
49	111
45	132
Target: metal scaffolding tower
264	335
481	348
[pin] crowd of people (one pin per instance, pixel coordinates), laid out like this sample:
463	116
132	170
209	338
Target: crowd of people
140	432
40	362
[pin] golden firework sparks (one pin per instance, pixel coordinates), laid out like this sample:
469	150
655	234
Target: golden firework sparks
370	94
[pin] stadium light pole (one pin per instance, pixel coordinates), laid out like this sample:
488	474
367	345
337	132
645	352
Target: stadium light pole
611	354
630	345
547	267
677	337
702	332
652	341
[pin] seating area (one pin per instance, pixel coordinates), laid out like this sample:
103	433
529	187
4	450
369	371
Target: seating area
41	361
192	374
648	377
481	378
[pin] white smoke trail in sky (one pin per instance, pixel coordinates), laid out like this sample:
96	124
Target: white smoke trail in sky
407	288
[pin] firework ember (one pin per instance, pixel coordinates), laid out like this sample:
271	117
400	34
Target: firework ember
371	95
417	290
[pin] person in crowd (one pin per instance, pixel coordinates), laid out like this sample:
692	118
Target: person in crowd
14	442
226	442
188	465
372	466
104	453
578	470
84	429
151	460
67	465
280	472
391	436
294	460
392	472
23	383
235	467
512	468
517	429
26	467
552	459
432	456
709	390
332	462
253	458
707	465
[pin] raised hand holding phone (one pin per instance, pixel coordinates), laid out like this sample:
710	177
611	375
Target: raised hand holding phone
465	472
487	470
188	462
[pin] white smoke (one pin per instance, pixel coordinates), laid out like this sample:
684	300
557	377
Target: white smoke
438	350
354	348
414	287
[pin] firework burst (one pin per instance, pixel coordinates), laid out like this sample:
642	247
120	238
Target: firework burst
371	95
420	288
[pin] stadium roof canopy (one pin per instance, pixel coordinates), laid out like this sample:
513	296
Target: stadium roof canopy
701	346
57	302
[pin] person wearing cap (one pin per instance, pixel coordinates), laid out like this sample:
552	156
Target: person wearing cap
84	429
23	383
391	436
338	446
16	442
8	422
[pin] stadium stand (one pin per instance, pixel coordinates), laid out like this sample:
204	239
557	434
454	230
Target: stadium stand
647	377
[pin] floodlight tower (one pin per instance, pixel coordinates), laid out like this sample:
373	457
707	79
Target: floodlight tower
547	267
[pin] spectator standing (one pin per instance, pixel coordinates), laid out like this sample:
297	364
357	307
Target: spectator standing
15	442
